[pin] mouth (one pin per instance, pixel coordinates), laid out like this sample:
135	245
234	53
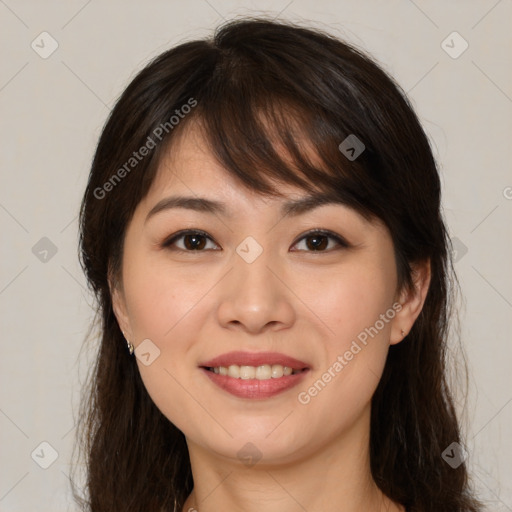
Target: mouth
262	372
255	375
255	365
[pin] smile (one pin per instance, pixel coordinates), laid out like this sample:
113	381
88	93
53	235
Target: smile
263	372
255	375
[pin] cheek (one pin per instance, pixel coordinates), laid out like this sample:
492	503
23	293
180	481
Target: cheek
350	300
168	307
159	297
164	307
356	305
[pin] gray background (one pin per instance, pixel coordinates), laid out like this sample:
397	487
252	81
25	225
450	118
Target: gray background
53	110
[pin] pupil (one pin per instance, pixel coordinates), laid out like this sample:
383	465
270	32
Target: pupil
319	242
195	242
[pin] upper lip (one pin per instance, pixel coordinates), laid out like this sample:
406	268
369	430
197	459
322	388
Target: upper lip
254	359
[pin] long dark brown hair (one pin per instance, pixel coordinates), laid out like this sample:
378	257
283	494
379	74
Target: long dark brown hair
258	87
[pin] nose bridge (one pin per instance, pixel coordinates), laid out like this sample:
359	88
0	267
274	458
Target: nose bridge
251	264
251	275
254	297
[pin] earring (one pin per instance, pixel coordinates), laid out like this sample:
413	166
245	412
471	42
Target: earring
402	332
131	348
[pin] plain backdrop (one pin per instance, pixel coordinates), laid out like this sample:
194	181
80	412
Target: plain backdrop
53	108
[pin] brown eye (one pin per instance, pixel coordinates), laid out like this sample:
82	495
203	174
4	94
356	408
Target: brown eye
194	242
197	241
319	241
188	241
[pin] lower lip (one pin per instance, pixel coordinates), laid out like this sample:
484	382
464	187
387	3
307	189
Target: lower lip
254	388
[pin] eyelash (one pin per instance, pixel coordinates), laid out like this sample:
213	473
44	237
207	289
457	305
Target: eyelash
321	232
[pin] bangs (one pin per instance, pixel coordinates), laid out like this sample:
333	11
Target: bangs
269	139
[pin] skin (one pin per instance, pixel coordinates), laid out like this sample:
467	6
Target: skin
292	299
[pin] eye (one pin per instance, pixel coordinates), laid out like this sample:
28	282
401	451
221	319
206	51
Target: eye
318	241
193	240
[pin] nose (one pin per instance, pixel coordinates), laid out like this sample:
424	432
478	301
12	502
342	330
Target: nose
255	298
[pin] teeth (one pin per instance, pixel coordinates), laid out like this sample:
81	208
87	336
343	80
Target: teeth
263	372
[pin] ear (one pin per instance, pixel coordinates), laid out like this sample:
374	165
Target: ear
119	307
411	302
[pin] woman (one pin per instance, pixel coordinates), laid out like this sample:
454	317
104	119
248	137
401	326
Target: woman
262	229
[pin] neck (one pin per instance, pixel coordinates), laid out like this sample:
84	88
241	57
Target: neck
335	478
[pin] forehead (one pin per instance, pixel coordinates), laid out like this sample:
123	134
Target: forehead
189	177
188	164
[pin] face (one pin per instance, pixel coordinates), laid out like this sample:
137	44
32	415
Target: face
315	291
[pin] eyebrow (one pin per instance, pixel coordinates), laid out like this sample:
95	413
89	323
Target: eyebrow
292	207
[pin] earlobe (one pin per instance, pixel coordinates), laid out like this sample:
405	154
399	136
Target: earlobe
119	308
411	301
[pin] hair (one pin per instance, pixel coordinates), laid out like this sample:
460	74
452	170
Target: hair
256	88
